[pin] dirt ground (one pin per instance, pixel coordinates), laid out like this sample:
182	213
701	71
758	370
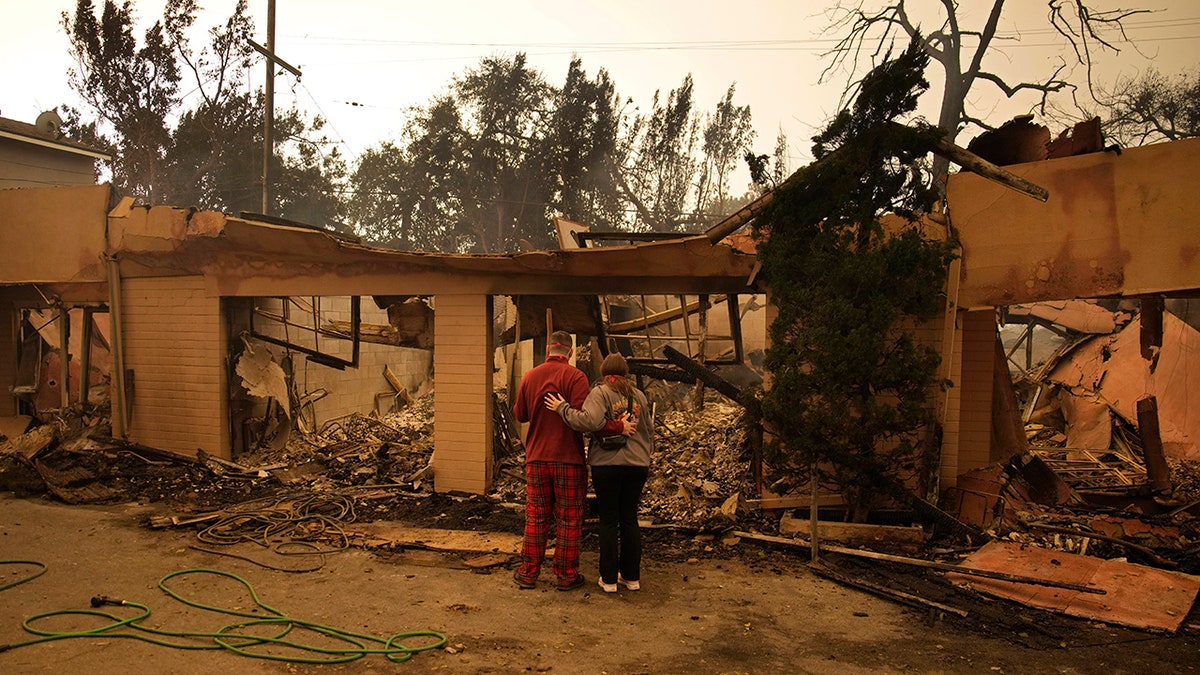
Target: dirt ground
704	608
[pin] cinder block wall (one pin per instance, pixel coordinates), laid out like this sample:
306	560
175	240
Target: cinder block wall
351	390
175	344
463	364
968	425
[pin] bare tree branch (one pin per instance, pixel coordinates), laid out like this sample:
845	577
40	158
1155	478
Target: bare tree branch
867	30
1086	29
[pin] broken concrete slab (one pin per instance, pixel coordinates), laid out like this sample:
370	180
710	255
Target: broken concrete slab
390	534
1135	595
1081	316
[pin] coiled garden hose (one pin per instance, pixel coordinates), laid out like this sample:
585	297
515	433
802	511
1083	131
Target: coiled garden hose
31	577
238	637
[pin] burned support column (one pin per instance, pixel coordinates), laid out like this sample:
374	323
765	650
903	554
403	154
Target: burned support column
1008	431
1151	318
1156	462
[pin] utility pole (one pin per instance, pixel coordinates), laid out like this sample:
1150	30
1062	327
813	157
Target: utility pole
269	113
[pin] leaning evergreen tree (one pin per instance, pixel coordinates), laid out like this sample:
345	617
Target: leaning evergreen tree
850	384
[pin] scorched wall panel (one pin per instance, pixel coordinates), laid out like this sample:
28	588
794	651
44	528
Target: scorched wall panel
8	356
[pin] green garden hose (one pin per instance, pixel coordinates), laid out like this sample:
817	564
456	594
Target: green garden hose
31	577
238	637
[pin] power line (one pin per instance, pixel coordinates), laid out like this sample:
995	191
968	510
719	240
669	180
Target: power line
789	44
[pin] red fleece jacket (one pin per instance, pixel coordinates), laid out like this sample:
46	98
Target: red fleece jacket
549	439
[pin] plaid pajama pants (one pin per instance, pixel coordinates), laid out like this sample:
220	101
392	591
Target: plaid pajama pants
554	493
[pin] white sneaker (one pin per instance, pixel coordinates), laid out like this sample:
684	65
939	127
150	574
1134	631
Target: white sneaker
608	588
631	585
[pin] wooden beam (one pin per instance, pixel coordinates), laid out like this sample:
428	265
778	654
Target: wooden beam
882	591
657	318
917	562
981	166
734	222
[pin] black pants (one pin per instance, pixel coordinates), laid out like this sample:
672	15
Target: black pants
618	491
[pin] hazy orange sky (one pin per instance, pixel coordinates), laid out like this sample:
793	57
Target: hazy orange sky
364	62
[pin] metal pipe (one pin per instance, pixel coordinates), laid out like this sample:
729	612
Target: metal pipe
64	356
115	318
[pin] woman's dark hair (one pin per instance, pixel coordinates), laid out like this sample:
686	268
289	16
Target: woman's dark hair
615	369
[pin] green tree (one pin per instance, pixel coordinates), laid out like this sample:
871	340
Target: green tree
769	171
505	107
661	164
728	133
581	147
489	164
131	90
207	155
486	166
409	196
849	381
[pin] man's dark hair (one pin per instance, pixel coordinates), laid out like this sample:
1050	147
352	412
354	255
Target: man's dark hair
559	343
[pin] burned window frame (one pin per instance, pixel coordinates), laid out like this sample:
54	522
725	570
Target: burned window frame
314	353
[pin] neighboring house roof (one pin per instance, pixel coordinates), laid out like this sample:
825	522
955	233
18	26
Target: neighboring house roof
29	133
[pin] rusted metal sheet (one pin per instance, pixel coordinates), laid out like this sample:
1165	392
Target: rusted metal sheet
1081	139
1088	421
1113	225
1015	142
1113	368
1135	595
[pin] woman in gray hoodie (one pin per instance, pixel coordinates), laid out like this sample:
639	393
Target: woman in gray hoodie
618	475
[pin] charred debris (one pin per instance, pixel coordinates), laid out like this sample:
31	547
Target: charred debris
1096	478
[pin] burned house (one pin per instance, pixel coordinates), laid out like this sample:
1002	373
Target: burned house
188	292
189	296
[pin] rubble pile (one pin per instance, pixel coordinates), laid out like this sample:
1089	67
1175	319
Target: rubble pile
699	469
701	465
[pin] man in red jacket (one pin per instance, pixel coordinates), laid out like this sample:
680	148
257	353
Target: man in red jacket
555	467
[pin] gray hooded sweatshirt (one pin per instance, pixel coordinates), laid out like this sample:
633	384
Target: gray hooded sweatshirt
604	399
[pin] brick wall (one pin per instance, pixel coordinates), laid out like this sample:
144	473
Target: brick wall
175	344
463	365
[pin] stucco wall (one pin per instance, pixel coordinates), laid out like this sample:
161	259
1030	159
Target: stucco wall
1114	224
8	353
53	234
